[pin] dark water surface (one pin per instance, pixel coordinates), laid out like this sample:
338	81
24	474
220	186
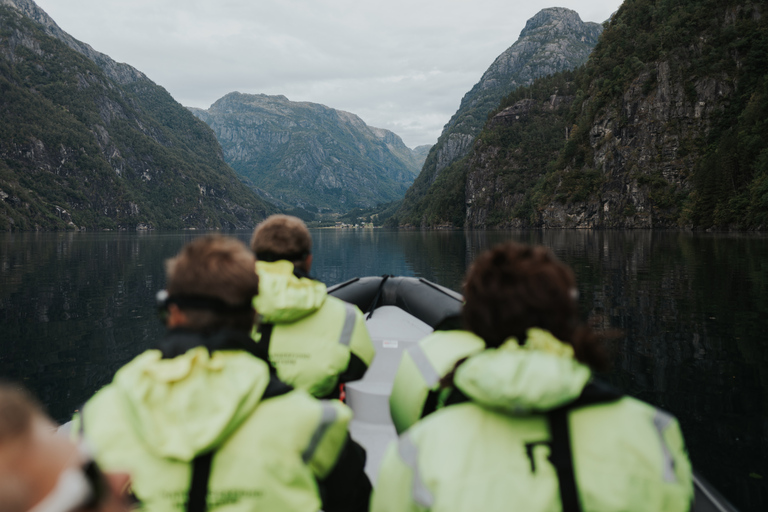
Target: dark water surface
74	307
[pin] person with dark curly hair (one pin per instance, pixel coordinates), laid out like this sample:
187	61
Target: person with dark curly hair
524	425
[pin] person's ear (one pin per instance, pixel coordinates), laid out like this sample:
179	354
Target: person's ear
176	317
119	497
119	483
308	263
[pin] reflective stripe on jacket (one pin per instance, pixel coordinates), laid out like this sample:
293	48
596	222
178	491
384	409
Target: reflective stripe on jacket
316	340
421	369
159	414
492	452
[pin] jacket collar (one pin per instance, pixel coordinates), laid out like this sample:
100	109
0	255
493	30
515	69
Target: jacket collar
519	379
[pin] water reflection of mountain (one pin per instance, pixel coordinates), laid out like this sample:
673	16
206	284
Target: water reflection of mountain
341	254
689	307
76	306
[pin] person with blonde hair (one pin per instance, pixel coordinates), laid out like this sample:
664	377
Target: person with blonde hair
315	341
524	425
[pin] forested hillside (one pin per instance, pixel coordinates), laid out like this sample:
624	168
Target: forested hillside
665	126
555	39
86	143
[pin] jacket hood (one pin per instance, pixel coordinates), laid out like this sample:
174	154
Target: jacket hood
519	379
189	404
283	297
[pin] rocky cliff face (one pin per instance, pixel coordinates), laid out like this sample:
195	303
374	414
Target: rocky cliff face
308	155
502	173
554	40
642	150
668	130
86	142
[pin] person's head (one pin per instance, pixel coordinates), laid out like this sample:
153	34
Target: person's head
512	288
282	237
43	471
211	284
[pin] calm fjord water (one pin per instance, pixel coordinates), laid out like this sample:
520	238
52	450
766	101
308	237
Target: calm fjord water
74	307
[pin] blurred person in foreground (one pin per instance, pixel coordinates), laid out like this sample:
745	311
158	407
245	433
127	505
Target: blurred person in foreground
315	341
42	471
525	426
203	423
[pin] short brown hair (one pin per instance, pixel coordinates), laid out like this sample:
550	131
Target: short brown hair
512	288
281	237
219	267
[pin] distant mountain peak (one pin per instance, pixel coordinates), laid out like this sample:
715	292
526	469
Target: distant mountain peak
308	155
552	17
555	39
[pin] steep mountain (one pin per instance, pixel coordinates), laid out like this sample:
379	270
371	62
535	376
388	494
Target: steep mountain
86	142
308	155
665	127
553	40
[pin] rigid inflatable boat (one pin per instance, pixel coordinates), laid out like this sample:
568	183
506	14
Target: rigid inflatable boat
399	312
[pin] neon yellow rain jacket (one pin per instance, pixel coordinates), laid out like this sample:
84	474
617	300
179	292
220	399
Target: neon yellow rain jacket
159	414
316	340
491	453
421	369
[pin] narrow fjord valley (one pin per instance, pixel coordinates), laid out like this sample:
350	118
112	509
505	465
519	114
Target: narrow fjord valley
654	119
89	143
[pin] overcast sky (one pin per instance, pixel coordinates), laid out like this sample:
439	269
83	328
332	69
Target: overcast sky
403	65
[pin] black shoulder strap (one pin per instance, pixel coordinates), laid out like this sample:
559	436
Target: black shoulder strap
201	465
561	453
561	458
198	486
261	349
265	330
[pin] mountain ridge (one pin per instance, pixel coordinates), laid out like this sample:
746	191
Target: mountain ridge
80	150
119	72
309	155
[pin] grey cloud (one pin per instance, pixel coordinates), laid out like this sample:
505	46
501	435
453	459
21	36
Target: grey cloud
403	65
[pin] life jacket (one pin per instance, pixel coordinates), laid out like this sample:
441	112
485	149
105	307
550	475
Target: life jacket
213	425
415	391
502	448
315	341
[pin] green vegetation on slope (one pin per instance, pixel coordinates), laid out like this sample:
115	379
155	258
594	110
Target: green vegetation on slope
78	150
719	39
516	152
667	127
553	40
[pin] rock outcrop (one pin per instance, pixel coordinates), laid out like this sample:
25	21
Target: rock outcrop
308	155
